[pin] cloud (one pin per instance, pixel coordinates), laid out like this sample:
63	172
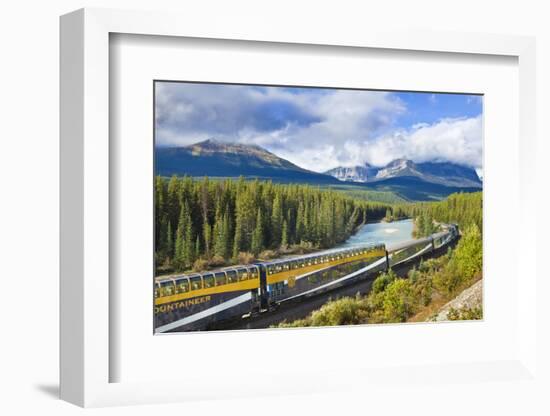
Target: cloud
449	140
186	113
317	129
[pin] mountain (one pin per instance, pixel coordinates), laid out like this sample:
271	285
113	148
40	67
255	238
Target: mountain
450	174
354	173
442	173
397	167
219	159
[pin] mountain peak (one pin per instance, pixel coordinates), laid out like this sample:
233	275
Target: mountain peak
400	162
217	158
359	173
444	173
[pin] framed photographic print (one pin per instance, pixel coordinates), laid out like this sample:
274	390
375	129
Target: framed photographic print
285	206
246	215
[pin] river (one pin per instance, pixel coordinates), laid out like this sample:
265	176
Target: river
382	232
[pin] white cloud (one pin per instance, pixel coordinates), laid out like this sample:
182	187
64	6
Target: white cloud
315	129
449	140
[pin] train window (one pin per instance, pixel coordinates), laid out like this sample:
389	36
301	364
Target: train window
157	292
167	288
220	278
208	280
196	282
253	272
182	286
231	276
242	274
286	266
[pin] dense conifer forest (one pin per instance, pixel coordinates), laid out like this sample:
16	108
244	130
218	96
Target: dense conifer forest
203	222
464	209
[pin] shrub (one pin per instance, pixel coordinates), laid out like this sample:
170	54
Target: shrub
448	281
464	264
398	301
300	323
468	256
268	254
423	288
200	265
345	311
465	314
382	281
216	261
246	257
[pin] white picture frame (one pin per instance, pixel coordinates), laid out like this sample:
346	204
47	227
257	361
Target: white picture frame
86	355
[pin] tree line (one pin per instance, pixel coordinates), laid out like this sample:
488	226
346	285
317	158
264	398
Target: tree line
200	222
463	208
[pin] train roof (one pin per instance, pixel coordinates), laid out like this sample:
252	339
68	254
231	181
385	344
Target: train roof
323	253
236	268
241	267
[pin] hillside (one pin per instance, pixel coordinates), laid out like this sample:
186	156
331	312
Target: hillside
400	181
217	159
442	173
413	188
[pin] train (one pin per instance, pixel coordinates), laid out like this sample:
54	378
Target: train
191	302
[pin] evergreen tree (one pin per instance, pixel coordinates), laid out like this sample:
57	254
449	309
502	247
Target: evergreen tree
179	258
197	247
221	217
169	242
237	240
207	236
258	235
188	252
220	234
276	220
284	235
226	236
420	226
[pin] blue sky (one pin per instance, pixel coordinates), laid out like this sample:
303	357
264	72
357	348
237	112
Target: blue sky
319	129
430	107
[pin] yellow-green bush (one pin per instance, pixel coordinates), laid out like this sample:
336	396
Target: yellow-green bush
468	256
399	301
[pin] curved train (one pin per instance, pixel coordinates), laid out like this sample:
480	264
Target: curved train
193	301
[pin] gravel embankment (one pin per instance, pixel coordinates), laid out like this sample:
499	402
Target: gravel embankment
469	298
